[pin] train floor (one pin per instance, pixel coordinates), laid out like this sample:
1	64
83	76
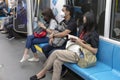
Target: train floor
11	52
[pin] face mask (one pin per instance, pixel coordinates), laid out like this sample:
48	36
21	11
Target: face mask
62	14
0	1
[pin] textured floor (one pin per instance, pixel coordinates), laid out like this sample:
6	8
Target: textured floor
10	55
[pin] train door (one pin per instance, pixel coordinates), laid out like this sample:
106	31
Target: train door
20	19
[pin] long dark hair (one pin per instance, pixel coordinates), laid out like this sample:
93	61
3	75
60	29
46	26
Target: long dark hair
48	13
90	22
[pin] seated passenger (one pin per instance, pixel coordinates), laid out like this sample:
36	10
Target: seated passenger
31	40
71	28
87	35
3	12
8	26
3	8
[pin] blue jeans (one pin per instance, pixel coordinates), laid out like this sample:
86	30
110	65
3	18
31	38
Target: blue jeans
31	41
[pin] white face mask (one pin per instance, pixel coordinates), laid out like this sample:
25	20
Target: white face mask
62	14
0	1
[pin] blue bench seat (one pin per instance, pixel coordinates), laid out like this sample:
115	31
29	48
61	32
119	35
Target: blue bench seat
114	74
39	46
106	75
86	72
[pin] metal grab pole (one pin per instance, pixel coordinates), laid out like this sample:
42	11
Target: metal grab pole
38	8
107	18
29	17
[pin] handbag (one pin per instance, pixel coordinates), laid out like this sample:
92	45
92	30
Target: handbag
58	42
86	57
39	32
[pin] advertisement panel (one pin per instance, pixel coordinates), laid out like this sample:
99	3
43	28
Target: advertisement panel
56	6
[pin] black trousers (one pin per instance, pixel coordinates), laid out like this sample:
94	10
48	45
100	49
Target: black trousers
10	30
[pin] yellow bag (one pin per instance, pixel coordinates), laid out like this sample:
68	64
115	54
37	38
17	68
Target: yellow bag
88	60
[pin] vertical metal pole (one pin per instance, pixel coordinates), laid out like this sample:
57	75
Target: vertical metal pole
29	17
32	8
107	18
38	8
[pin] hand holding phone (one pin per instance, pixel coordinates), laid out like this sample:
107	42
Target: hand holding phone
73	39
71	36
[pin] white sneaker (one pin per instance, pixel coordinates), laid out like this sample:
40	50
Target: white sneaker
33	59
24	58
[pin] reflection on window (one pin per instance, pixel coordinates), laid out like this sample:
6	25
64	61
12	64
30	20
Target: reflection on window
118	6
115	27
97	6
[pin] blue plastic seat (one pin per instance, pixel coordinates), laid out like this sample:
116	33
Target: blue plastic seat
107	75
86	72
43	44
114	74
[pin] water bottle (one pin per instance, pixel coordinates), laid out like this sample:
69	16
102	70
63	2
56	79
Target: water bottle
81	54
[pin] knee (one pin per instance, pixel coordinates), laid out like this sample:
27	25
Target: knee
56	51
57	63
30	37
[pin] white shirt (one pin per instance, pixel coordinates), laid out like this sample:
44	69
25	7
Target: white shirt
53	24
73	47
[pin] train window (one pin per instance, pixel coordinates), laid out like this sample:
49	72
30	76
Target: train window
100	16
115	22
97	6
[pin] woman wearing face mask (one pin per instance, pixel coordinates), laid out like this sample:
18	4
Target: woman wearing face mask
87	35
31	40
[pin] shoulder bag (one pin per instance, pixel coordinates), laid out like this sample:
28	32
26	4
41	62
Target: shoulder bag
58	42
39	32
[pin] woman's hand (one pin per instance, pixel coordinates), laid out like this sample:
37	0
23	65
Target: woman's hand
79	41
83	44
51	35
40	24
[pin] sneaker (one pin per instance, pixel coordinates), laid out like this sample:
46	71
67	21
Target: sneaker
3	32
1	29
10	37
24	58
33	59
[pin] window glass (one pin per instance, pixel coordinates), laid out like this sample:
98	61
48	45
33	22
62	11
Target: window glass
97	6
115	21
101	16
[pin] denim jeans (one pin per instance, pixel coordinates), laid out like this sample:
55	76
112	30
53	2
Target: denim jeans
31	41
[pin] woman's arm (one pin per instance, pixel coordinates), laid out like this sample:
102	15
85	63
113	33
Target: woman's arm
83	44
40	24
62	34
